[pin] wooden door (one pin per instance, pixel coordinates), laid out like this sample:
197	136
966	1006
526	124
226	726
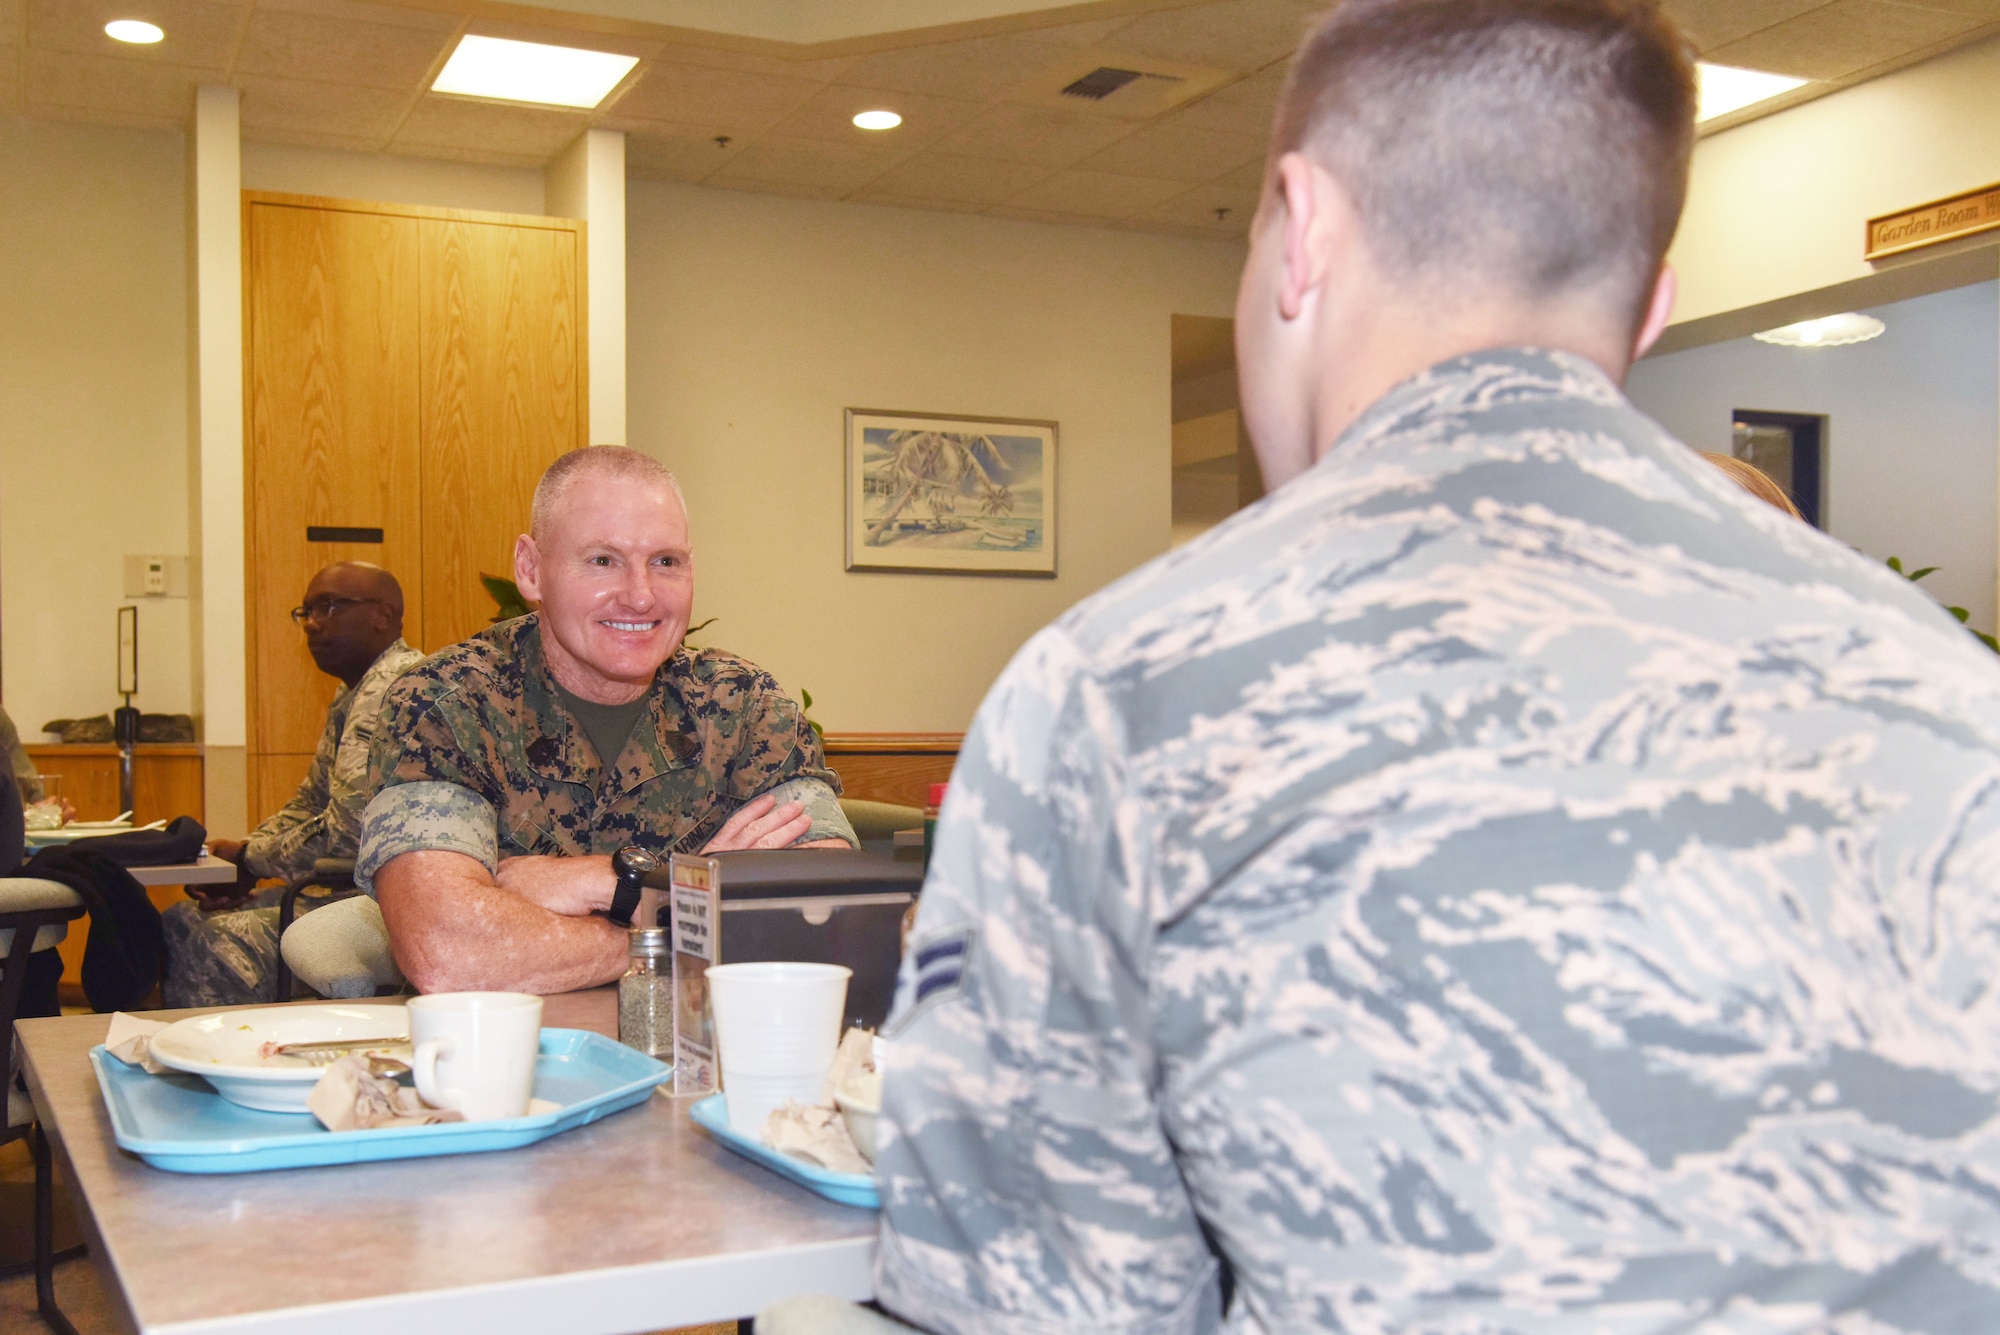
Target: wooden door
334	390
503	396
409	370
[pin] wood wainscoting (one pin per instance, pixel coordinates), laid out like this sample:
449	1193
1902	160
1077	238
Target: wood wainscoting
166	782
892	766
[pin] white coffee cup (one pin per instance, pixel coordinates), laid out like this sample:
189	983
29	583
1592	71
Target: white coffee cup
777	1026
475	1051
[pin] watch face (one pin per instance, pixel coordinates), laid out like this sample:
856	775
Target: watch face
632	859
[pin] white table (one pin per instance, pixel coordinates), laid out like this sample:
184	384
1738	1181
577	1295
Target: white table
638	1222
204	870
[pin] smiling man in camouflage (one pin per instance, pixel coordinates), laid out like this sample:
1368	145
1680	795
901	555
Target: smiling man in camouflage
514	764
1509	880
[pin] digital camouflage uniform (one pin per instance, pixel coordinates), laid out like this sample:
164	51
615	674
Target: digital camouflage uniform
478	757
226	958
1508	880
19	763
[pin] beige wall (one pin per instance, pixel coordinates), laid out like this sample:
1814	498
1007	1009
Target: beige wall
389	179
1777	206
755	320
93	412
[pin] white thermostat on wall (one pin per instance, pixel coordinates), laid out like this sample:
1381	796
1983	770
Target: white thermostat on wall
156	577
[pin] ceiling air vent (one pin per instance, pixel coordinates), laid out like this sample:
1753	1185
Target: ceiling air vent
1101	83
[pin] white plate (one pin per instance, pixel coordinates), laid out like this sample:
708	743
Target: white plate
225	1048
71	833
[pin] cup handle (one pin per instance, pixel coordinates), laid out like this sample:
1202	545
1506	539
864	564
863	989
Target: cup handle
423	1066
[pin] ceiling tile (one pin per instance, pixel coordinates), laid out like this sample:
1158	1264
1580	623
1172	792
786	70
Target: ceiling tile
829	114
1091	32
673	152
693	95
1178	152
979	69
1196	210
1250	176
789	189
943	178
870	195
744	62
810	162
362	11
197	33
372	55
322	108
1842	38
1241	34
1047	216
1035	134
1244	107
115	87
1096	194
1712	23
488	127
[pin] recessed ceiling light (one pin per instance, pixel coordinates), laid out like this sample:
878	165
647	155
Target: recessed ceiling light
1724	88
557	76
878	120
1832	331
137	31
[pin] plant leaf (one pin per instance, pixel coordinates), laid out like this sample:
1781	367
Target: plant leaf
1916	575
1896	564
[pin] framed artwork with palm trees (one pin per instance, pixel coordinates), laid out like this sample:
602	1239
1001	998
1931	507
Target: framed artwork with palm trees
941	494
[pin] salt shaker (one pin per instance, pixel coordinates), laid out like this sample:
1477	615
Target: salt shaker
646	995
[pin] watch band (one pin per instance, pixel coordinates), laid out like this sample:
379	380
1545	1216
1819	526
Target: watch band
629	866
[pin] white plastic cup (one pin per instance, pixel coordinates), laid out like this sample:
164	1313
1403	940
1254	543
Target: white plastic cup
475	1051
777	1026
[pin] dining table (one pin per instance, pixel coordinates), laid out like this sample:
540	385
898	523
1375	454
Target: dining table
638	1222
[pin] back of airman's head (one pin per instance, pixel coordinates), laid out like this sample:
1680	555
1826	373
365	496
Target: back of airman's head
1531	148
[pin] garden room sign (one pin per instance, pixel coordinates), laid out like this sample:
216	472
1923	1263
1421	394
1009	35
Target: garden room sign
1927	224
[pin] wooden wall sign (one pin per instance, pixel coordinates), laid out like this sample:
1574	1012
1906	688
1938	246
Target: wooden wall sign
1927	224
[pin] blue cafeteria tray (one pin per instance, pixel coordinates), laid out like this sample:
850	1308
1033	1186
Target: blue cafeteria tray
712	1116
177	1122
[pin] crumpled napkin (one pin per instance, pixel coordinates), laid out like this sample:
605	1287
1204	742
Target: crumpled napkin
130	1041
351	1097
817	1132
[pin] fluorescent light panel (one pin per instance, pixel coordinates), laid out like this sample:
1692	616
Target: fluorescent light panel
556	76
1829	331
1724	88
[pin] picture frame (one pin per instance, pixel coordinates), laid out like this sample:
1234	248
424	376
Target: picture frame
946	494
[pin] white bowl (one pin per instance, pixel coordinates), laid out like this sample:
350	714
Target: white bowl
859	1099
225	1048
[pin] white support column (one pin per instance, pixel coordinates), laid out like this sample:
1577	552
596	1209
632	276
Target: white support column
587	181
215	453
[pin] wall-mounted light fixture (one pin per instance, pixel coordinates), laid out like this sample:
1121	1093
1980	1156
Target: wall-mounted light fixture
1831	331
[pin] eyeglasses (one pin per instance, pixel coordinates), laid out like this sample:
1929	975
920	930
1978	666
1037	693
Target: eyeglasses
320	609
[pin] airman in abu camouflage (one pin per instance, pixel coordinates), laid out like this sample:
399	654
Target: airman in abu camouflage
512	765
1509	881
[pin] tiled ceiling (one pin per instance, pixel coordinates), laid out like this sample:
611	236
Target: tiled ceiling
984	128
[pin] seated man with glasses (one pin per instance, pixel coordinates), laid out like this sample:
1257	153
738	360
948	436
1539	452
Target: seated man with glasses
222	945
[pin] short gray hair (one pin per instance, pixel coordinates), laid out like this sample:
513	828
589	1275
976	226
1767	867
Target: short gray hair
591	461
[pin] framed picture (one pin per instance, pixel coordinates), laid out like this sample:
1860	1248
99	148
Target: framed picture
950	495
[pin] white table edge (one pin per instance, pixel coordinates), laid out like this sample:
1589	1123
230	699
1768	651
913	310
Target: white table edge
683	1292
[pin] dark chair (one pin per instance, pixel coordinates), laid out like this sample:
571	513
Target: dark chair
34	916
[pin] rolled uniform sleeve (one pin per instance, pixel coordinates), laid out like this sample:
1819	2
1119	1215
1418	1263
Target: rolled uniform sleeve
428	815
429	795
822	805
1027	1183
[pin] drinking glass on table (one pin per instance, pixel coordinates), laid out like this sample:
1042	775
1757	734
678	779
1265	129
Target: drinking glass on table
53	810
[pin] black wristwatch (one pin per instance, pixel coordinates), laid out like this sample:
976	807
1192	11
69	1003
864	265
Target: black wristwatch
630	866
